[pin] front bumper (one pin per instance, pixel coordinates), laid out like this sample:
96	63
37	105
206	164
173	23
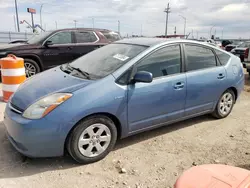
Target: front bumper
33	138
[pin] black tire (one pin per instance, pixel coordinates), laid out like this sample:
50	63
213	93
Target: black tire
217	113
72	142
34	63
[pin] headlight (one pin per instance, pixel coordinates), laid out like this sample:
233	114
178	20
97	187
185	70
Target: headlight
45	105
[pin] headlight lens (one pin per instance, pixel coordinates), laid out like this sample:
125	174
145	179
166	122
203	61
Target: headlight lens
45	105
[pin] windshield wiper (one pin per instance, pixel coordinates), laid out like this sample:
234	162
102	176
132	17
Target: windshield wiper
78	70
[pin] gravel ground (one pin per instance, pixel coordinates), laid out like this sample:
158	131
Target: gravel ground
151	159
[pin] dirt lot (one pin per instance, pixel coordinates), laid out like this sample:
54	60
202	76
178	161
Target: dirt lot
152	159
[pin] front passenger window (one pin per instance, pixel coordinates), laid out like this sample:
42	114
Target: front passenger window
61	38
163	62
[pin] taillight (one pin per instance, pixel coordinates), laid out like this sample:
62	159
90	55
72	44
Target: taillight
246	53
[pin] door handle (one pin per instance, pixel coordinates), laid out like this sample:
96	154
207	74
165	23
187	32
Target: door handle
221	76
179	85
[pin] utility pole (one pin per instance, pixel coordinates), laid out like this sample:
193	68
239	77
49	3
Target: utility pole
211	31
56	24
41	24
185	23
197	34
93	22
17	20
75	22
175	30
167	10
192	33
141	30
119	26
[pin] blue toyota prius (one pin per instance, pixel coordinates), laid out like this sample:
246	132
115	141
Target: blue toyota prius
122	89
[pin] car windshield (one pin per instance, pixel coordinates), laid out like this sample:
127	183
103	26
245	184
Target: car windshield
38	38
244	45
104	61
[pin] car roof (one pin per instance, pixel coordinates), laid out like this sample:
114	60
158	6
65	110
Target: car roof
86	29
156	41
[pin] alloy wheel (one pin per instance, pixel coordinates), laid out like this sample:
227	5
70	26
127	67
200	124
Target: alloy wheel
226	103
94	140
30	69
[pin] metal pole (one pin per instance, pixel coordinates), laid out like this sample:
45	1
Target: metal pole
33	26
56	24
167	10
211	31
75	23
141	30
185	23
119	26
192	33
17	20
93	22
41	24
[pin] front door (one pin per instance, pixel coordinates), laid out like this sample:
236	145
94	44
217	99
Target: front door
61	50
162	100
206	79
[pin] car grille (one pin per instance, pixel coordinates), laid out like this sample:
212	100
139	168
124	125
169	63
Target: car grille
15	108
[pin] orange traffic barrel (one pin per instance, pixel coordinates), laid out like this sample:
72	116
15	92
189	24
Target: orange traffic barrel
213	176
13	74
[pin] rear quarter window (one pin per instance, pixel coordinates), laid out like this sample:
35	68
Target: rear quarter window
223	57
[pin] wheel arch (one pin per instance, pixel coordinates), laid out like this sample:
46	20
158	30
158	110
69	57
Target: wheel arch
34	58
235	92
109	115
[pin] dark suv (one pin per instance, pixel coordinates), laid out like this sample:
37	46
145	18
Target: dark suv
50	49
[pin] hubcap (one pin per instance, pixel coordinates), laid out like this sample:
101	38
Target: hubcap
94	140
30	70
226	103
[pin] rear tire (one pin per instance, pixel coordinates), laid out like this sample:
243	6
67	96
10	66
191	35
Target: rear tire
92	139
224	105
31	67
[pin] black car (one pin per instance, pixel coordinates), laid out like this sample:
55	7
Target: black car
50	49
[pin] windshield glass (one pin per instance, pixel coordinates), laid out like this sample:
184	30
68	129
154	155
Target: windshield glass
245	45
107	59
38	38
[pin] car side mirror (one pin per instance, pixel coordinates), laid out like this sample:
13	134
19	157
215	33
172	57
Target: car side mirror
48	43
143	76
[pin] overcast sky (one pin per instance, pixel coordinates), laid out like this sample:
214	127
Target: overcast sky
232	16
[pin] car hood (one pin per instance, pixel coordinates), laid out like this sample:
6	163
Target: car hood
48	82
8	46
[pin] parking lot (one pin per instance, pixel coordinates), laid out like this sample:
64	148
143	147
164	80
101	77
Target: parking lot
150	159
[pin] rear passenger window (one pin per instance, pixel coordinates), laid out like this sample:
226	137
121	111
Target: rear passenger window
85	37
199	57
223	57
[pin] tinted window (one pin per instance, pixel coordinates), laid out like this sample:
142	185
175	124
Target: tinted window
223	57
107	59
199	57
163	62
85	37
61	38
111	36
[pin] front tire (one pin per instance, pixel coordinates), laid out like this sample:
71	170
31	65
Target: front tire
31	67
224	105
92	139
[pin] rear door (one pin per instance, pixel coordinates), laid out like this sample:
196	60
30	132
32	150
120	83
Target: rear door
61	50
86	41
206	79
